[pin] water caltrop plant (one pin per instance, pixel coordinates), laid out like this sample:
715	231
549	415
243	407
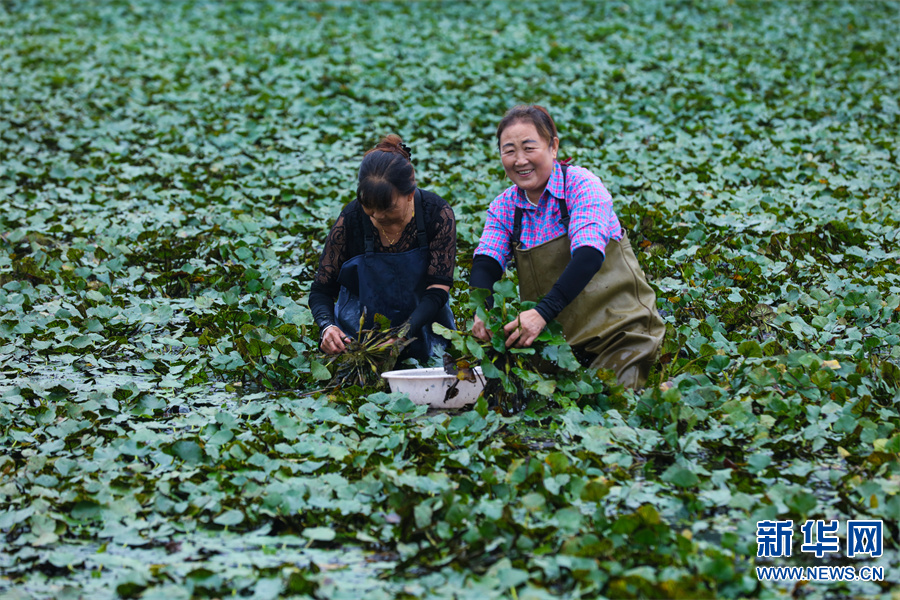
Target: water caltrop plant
546	374
369	353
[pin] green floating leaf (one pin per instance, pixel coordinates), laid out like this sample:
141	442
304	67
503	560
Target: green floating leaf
758	462
230	517
319	371
750	349
319	534
188	451
680	476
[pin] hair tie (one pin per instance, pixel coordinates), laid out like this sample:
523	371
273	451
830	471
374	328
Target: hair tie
407	150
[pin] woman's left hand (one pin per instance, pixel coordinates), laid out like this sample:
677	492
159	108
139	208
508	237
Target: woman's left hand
522	332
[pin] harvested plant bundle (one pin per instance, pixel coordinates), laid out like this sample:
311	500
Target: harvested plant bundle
373	352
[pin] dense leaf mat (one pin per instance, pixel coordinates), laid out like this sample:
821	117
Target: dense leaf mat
168	173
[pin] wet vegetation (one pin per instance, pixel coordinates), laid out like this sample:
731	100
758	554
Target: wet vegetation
169	171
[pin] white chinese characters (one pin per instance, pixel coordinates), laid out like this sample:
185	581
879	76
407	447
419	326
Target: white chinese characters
864	538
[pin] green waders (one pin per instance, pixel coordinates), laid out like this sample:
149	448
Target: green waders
613	318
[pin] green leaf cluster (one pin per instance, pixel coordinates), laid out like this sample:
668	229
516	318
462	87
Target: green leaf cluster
545	375
170	170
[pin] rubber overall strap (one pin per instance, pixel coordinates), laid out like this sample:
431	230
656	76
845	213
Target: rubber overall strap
517	227
421	232
563	208
563	211
369	233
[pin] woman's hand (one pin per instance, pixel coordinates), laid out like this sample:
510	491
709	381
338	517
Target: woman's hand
522	332
480	331
333	340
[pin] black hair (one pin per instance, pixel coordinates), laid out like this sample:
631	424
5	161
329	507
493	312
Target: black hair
530	113
385	172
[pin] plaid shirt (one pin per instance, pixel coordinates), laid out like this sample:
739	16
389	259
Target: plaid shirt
592	221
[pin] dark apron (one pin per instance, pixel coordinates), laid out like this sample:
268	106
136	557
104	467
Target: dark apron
614	319
390	284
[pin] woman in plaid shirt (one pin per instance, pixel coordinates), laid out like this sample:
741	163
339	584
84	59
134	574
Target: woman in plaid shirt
571	253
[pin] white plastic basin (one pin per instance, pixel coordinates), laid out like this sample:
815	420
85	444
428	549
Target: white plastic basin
429	386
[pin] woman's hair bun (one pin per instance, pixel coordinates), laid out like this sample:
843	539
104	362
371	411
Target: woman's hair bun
385	172
393	143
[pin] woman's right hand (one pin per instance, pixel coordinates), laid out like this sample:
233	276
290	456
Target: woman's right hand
480	331
334	340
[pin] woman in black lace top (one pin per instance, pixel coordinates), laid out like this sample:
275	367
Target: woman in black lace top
391	251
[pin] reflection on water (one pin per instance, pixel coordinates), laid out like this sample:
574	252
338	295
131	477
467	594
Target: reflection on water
218	563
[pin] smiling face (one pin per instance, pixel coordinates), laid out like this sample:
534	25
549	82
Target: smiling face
527	157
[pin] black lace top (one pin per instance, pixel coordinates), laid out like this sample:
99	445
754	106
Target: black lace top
346	240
